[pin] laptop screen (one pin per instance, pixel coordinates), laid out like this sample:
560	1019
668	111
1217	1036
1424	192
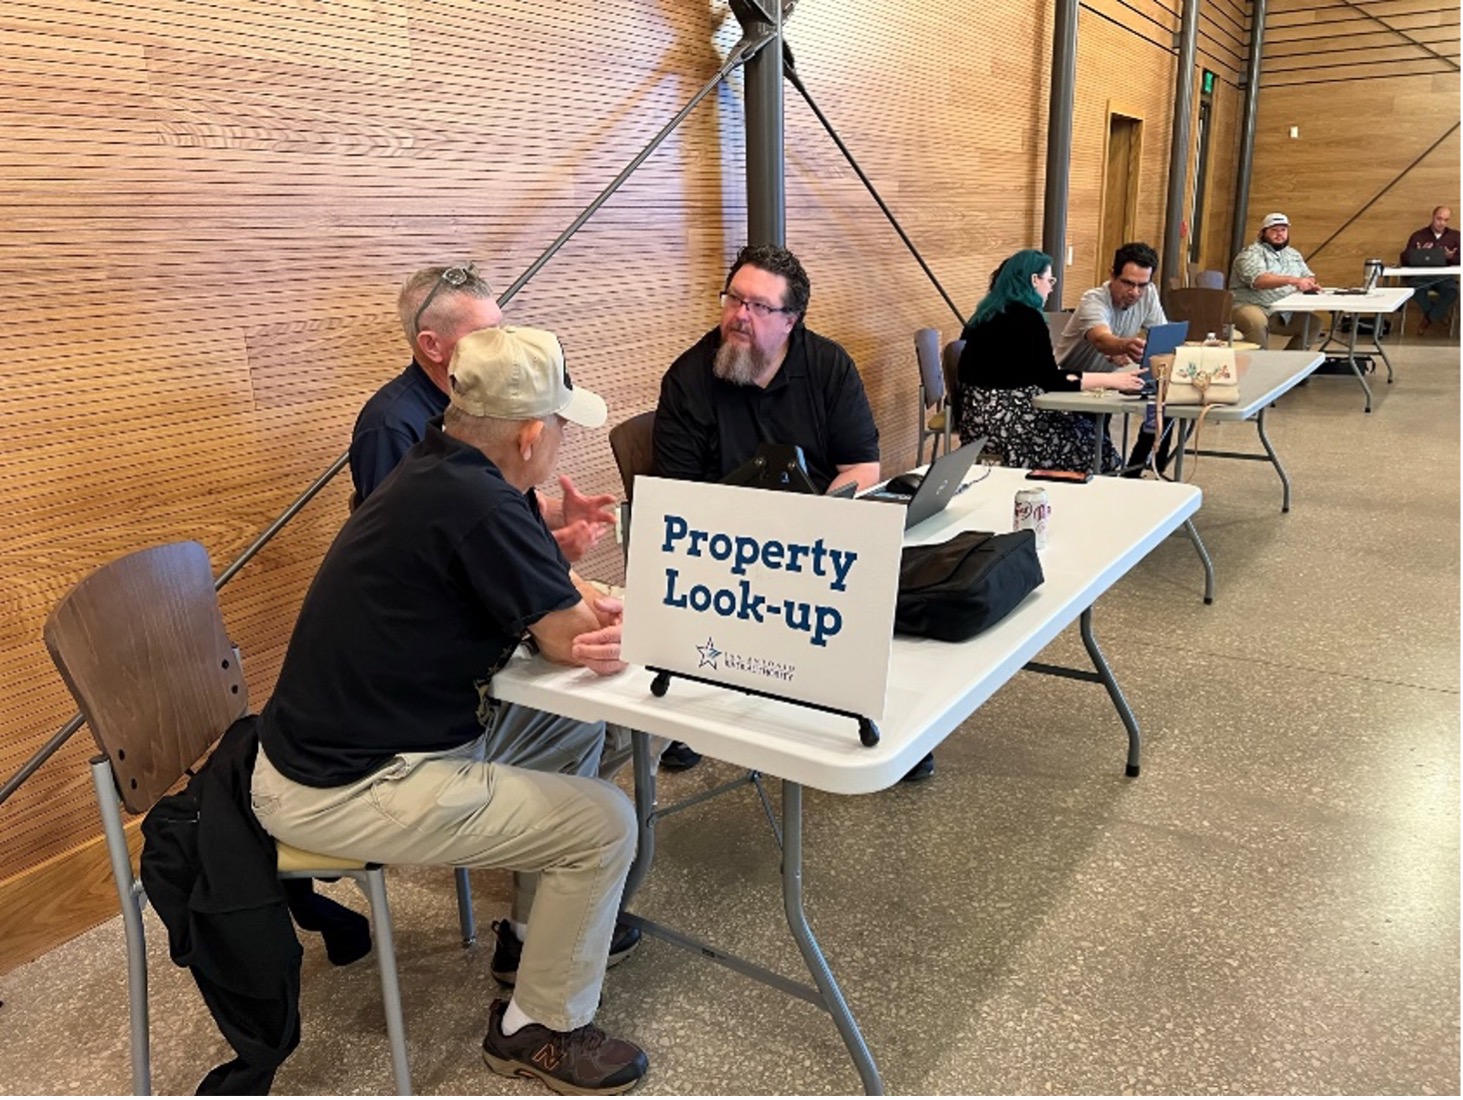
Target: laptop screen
1162	340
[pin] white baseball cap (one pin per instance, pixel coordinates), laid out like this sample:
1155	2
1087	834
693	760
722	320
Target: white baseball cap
1274	219
513	373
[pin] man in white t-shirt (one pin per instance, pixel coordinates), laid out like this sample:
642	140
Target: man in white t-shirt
1108	329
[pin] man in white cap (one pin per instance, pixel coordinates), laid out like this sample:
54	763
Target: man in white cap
382	740
1260	276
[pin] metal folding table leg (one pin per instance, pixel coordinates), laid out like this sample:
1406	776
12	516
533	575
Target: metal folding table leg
1377	341
1274	460
1189	528
1115	693
644	815
797	921
1351	360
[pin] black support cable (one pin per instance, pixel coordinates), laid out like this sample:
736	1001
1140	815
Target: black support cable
1391	184
792	75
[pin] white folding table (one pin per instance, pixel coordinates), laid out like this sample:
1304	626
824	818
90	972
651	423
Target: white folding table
1098	532
1269	375
1376	304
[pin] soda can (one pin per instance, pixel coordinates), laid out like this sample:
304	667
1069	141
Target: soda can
1033	510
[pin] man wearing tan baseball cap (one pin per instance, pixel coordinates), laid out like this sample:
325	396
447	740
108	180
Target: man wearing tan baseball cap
383	741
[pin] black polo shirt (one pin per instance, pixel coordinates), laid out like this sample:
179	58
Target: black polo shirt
705	427
391	423
424	594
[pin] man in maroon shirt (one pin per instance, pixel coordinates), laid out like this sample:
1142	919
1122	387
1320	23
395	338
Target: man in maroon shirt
1434	235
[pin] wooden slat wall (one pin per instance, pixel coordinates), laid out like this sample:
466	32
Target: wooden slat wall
1373	85
208	208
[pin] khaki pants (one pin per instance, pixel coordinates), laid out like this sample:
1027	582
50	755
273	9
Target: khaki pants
571	836
1256	325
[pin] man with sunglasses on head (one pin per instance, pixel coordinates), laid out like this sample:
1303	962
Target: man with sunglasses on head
761	376
438	306
1107	330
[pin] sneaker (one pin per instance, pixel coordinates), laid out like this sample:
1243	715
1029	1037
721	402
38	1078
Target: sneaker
509	949
679	757
923	770
582	1062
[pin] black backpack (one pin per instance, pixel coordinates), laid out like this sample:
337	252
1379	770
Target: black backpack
953	590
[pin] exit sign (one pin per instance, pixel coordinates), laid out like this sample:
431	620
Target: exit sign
1208	84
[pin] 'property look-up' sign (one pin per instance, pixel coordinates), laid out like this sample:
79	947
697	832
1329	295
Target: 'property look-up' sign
784	593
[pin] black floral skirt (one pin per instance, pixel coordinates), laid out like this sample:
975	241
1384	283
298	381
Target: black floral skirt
1023	435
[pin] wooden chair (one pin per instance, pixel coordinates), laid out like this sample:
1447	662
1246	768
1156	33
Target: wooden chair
1207	310
934	408
632	442
141	645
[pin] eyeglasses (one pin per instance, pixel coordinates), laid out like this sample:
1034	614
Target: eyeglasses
734	301
454	277
1135	286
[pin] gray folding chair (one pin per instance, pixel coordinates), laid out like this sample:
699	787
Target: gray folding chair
934	409
141	645
1211	280
950	367
1056	323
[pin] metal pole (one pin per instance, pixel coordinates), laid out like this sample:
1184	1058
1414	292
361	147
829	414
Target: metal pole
1059	143
1239	231
1178	151
766	191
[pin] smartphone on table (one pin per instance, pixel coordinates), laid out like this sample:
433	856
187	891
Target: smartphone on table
1077	477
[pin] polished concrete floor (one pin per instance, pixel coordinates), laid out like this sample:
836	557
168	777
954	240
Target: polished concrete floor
1271	908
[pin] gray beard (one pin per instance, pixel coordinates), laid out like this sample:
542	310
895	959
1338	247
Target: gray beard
738	365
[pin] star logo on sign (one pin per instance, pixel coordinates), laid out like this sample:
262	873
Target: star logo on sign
709	654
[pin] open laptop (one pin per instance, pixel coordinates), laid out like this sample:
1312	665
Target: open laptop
1427	257
1162	340
941	482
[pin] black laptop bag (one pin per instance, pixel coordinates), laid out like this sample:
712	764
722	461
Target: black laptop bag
955	589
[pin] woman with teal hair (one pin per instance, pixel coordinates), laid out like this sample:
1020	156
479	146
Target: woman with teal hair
1008	360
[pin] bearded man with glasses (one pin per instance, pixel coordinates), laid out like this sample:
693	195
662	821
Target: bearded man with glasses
438	306
760	376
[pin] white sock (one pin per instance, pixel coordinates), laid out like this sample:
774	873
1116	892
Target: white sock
519	929
515	1018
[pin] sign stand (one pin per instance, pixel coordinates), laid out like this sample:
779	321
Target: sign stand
868	730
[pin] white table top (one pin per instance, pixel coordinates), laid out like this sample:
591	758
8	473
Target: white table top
1404	272
1098	532
1382	299
1268	375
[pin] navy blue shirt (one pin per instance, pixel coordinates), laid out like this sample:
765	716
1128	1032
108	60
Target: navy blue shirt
423	596
391	423
706	427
